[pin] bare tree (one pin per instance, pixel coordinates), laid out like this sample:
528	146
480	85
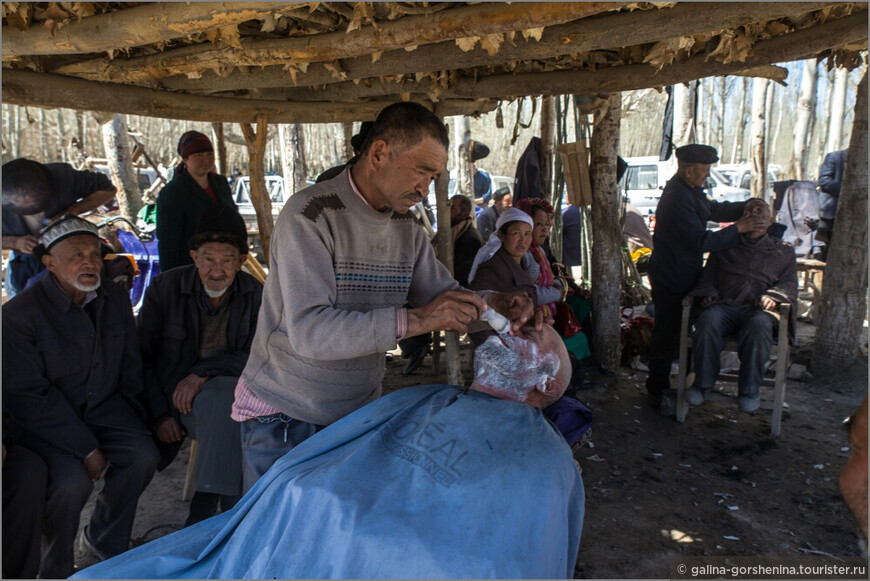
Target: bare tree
740	131
607	234
759	164
119	159
461	139
548	149
292	145
723	97
838	107
843	304
806	106
684	113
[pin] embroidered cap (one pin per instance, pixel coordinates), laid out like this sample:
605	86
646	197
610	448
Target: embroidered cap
69	225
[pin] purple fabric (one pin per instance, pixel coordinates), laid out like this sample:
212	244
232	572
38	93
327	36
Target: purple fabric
571	418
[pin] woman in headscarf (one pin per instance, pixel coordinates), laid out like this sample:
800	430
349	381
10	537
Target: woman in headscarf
552	290
195	186
498	264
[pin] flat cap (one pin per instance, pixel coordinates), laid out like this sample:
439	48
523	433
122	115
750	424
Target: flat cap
697	153
66	227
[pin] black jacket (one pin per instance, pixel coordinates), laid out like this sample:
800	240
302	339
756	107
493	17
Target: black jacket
62	373
681	236
169	334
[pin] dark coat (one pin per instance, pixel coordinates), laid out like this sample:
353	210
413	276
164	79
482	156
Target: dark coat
179	205
528	174
681	236
70	186
830	181
486	223
169	334
501	273
464	250
63	374
741	275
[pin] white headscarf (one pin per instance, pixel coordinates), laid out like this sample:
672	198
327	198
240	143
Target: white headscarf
494	243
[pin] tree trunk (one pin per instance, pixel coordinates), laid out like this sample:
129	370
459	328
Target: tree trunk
347	148
759	173
607	235
548	150
805	111
740	130
780	104
684	114
220	146
461	139
842	307
256	144
720	131
823	129
118	151
838	109
704	106
295	146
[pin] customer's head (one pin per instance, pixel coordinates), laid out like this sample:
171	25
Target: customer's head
533	369
219	248
758	207
28	187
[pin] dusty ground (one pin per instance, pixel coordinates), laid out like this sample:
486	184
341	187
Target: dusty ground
656	489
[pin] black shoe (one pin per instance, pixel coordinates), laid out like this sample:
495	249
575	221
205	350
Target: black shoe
203	505
414	361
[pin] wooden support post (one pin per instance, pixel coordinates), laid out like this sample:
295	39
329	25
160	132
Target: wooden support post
220	146
548	143
256	143
606	234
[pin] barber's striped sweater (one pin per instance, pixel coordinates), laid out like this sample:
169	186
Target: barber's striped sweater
338	272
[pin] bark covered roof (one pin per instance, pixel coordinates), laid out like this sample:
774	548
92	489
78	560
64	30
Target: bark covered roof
340	61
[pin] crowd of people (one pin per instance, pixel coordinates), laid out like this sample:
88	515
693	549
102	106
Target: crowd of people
280	383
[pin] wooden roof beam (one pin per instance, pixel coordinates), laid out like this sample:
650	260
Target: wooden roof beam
52	91
144	24
463	22
788	47
607	31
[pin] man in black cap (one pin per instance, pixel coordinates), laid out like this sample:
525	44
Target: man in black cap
195	328
681	238
34	194
72	379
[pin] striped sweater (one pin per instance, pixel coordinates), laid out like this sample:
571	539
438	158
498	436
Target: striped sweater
338	271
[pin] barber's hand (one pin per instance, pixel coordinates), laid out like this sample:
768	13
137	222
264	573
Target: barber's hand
187	389
751	223
706	301
453	310
25	244
518	308
766	303
95	463
168	430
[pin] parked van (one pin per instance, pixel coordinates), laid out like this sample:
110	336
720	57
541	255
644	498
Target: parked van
646	177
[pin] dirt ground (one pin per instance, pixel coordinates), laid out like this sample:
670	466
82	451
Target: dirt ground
717	484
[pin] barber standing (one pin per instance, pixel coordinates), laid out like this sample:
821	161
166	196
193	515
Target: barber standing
35	194
346	256
681	238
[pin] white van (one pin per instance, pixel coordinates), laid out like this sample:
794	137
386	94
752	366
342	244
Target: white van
646	177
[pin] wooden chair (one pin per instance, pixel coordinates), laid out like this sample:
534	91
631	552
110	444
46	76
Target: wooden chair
779	348
189	479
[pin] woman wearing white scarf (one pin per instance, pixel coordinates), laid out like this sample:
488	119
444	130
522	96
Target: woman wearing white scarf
493	245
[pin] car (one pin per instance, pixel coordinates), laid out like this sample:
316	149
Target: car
497	182
145	176
646	177
242	198
739	175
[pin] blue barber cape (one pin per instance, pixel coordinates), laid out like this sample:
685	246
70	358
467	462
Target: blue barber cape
426	482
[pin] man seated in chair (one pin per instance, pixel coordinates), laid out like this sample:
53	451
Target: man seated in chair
429	481
741	289
196	326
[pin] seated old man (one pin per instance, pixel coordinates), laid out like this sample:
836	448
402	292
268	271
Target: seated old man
72	379
195	328
426	482
741	289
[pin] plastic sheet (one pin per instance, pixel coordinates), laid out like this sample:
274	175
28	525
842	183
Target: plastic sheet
427	482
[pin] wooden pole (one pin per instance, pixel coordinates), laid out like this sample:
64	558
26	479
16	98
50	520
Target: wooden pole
118	157
606	234
256	144
548	149
220	146
759	162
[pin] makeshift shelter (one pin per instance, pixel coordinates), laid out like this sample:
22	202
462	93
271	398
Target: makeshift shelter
311	62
